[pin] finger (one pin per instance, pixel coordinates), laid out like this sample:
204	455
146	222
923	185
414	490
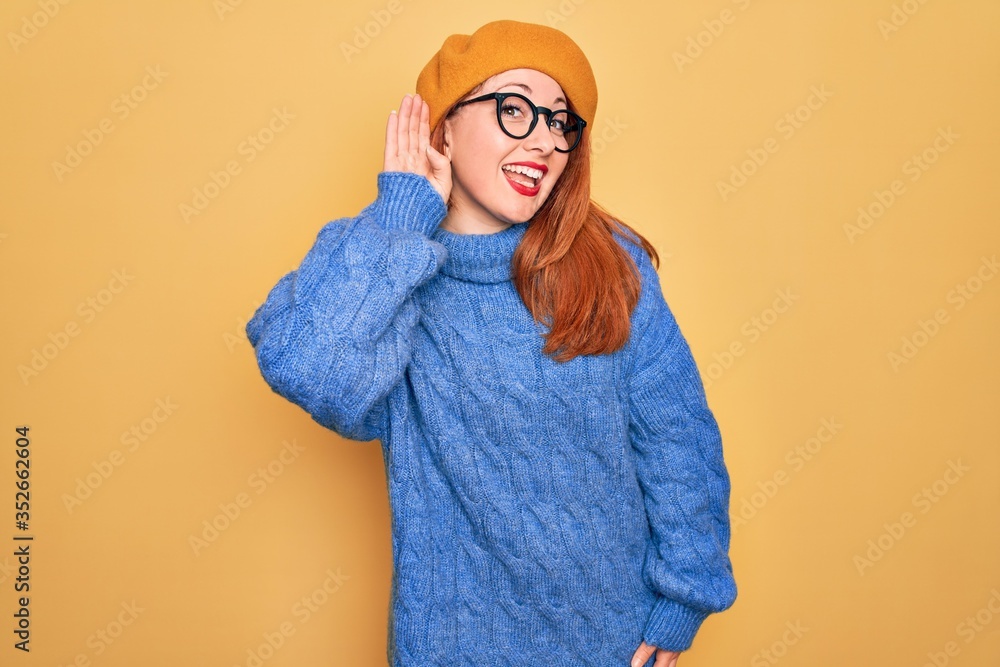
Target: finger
666	658
390	138
641	655
403	133
425	127
414	127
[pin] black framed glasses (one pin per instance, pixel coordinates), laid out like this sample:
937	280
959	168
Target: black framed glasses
517	117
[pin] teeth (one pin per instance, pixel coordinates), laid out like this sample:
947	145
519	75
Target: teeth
527	171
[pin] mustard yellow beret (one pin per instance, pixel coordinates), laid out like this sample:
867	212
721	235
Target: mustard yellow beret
465	61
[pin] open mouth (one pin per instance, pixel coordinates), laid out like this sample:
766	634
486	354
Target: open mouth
526	176
523	178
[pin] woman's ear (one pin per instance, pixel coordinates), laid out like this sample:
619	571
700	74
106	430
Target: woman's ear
446	140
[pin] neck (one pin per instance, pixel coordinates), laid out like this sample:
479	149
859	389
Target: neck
466	218
480	257
456	223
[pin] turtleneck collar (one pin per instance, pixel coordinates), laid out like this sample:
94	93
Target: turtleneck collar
480	258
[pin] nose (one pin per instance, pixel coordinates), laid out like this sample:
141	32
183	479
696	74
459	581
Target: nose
541	135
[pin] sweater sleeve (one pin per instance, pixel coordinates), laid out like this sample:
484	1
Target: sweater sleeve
334	335
681	472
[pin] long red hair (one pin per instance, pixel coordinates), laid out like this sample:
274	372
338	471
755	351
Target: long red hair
569	270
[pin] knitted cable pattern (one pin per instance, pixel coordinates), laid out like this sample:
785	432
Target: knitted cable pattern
542	513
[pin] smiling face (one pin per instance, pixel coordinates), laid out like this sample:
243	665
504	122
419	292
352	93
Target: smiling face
484	199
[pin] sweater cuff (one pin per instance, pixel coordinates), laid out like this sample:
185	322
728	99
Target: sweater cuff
672	625
407	201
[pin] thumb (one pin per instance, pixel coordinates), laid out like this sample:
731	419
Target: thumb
437	160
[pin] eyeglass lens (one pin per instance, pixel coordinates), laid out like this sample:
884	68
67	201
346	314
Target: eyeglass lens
516	115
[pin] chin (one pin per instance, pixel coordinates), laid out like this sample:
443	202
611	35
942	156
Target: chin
519	218
529	211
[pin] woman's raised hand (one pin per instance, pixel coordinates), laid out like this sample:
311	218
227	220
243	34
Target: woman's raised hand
408	147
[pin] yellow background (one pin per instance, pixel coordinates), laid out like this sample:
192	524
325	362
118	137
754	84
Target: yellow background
168	330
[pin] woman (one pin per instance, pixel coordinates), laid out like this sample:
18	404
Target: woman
556	478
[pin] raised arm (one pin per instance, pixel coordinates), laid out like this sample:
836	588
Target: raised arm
334	336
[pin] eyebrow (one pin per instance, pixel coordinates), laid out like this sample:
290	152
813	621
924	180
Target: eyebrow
527	89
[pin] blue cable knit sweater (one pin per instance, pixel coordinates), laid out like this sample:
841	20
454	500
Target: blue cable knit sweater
542	513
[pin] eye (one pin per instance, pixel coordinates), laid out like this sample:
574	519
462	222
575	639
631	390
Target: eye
504	108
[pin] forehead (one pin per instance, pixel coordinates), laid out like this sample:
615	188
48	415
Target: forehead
540	87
